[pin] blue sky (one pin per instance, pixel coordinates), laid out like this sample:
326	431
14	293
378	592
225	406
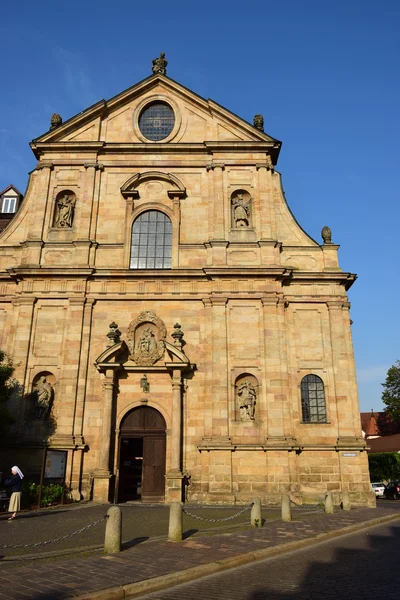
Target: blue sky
325	75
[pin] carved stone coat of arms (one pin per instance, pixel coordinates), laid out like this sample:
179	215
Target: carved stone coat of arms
146	335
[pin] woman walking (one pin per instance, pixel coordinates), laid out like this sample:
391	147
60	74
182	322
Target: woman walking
15	483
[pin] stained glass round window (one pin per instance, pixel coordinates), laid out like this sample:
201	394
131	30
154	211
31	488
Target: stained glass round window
156	121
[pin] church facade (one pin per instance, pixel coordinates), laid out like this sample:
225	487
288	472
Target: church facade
175	330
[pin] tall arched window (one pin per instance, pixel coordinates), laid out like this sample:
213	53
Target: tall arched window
313	399
151	241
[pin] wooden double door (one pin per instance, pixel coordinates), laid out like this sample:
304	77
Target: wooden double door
142	448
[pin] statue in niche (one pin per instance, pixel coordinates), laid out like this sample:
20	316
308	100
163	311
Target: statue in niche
147	342
145	339
241	211
247	396
44	395
65	211
160	65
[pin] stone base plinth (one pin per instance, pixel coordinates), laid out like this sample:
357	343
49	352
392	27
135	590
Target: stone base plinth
173	490
101	486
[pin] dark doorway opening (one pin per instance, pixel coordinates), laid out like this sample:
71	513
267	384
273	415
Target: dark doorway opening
131	467
142	456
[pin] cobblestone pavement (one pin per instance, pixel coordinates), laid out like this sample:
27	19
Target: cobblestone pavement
140	522
68	577
357	567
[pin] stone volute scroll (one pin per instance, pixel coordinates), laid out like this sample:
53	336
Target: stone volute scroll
246	397
146	339
65	209
241	210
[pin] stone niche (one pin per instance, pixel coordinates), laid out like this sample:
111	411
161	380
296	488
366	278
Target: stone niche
246	392
242	218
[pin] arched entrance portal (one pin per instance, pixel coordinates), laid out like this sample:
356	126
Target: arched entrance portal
142	456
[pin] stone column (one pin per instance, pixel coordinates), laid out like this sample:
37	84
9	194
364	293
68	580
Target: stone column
174	475
102	474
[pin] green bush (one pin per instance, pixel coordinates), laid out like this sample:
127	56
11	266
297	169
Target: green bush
51	494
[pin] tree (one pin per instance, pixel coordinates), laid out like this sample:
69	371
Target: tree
7	387
384	466
391	393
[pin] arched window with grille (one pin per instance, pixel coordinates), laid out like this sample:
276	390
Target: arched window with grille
151	244
313	404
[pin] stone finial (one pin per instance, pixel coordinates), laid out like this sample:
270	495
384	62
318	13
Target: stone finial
258	122
55	121
114	334
178	335
326	234
160	65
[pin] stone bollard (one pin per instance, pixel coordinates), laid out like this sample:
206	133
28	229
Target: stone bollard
286	512
346	505
328	503
255	517
112	541
175	522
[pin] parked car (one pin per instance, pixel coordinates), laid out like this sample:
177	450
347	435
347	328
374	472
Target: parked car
392	490
379	489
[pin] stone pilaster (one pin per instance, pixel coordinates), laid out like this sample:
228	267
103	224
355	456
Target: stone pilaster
267	214
219	375
343	370
272	350
71	354
174	475
102	474
83	371
217	209
21	333
41	209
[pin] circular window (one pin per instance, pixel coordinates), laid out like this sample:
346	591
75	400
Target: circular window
156	121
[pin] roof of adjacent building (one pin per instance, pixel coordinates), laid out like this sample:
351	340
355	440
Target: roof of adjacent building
378	424
386	443
10	187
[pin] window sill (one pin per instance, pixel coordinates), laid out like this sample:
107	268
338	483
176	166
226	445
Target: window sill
315	423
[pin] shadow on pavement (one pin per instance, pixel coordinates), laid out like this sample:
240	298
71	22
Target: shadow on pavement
134	542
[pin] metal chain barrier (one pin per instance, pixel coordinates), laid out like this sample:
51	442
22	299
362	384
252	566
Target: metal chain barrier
317	506
59	539
189	514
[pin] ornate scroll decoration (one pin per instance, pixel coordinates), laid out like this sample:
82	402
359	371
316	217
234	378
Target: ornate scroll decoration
146	336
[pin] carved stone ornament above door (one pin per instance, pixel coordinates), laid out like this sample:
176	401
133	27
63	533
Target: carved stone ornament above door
146	337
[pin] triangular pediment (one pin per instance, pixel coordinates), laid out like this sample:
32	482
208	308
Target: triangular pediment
115	121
